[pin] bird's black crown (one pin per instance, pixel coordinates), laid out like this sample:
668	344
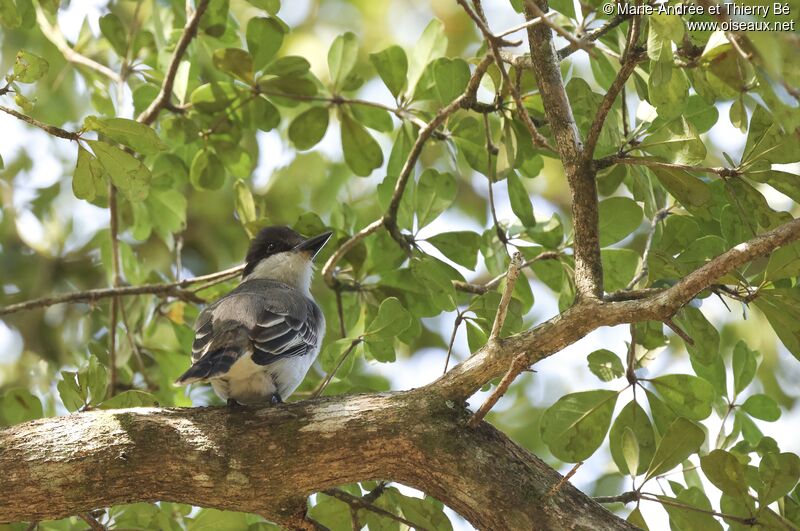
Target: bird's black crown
269	241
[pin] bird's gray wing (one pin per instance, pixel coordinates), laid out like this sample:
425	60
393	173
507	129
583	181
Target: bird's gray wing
268	319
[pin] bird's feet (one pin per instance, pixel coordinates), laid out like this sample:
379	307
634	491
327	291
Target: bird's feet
276	399
233	404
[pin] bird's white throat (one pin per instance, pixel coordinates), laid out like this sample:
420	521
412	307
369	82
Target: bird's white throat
292	268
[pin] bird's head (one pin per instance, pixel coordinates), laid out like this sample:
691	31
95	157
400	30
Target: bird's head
279	253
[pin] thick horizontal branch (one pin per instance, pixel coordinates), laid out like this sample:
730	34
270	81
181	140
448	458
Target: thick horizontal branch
266	460
587	315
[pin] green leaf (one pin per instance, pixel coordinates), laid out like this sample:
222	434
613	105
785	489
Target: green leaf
630	449
29	67
215	19
89	180
744	366
266	116
235	62
688	395
19	405
290	66
682	438
128	174
762	407
459	246
435	193
139	137
373	117
342	58
132	398
264	39
214	97
705	337
392	66
726	473
605	365
431	45
619	267
575	426
784	263
270	6
362	153
689	190
207	171
72	396
520	201
619	216
690	519
309	127
779	474
94	380
632	418
635	517
781	306
244	204
426	512
112	29
450	78
390	320
677	142
767	141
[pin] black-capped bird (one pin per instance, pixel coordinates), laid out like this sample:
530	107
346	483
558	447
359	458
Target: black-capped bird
256	343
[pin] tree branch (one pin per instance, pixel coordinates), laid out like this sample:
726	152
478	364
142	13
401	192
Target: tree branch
580	174
653	163
389	220
173	289
585	316
49	129
149	115
266	460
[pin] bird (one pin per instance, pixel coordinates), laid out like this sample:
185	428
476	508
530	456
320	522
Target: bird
256	344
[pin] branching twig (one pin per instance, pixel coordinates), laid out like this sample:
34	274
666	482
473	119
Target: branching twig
502	309
518	364
555	488
173	289
49	129
53	33
630	59
324	383
480	289
456	324
652	163
576	43
659	216
164	95
361	503
389	220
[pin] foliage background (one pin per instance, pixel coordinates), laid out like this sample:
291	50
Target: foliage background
196	222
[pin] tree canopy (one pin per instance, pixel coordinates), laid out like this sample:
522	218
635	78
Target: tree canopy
502	179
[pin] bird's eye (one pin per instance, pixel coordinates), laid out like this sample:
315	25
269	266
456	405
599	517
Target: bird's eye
271	247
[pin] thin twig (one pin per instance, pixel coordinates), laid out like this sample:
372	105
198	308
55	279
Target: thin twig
655	498
659	216
679	331
456	324
389	219
324	383
524	25
502	309
652	163
577	43
360	503
53	33
555	488
630	59
480	289
92	521
518	364
189	31
625	497
116	281
592	36
50	129
173	289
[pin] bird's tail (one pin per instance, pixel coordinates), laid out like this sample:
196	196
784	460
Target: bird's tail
211	365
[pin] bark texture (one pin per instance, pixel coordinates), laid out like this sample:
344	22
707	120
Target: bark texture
266	460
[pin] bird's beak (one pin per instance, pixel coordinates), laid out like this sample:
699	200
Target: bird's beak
313	245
